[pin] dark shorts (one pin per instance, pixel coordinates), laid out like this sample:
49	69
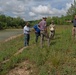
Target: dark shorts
74	26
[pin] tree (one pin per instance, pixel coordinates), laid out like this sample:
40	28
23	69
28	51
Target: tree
2	25
72	10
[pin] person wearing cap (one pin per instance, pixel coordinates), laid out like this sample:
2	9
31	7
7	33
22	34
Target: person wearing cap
37	32
42	24
43	28
26	31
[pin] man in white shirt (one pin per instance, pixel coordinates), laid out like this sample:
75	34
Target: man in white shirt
26	31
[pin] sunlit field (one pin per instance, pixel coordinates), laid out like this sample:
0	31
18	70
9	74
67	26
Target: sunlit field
58	59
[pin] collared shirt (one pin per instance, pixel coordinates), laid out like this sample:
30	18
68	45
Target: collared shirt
26	30
42	25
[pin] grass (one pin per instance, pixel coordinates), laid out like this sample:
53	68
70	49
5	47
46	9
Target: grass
7	49
58	59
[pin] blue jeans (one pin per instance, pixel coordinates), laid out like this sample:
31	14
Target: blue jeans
27	38
37	36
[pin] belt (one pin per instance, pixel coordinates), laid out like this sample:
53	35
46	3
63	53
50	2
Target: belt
74	26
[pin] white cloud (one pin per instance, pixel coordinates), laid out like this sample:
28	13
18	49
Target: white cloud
32	14
48	11
68	5
1	10
41	9
34	8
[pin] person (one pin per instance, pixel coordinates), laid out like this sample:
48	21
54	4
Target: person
52	29
26	31
43	29
42	24
37	32
74	26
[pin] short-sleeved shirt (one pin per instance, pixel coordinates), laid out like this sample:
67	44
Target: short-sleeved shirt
42	25
37	28
52	27
26	30
74	22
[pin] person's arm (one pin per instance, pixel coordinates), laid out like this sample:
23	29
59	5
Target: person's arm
69	21
35	29
45	23
40	25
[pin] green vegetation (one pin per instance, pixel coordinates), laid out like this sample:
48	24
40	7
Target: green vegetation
7	49
58	59
72	10
9	22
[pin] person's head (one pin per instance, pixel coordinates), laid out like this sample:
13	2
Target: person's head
44	18
38	25
27	24
52	22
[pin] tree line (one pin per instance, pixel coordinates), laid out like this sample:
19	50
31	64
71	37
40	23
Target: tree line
10	22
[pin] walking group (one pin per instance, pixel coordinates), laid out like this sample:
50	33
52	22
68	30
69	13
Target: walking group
41	30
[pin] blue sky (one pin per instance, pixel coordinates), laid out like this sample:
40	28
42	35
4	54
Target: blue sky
34	9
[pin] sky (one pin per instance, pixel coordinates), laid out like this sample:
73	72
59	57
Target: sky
34	9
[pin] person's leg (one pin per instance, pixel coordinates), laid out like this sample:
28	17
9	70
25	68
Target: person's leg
36	40
73	32
41	40
53	33
25	39
28	38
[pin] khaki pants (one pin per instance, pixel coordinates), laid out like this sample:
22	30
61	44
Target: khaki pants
73	32
42	37
43	34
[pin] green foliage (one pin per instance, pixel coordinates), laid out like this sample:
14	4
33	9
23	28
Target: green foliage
58	59
9	22
72	9
2	25
48	20
6	51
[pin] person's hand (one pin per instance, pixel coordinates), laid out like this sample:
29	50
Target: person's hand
68	21
35	31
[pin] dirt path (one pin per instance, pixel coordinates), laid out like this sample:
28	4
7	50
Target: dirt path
12	37
23	68
19	51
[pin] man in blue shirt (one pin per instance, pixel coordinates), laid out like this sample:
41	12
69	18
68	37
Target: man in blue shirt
37	32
